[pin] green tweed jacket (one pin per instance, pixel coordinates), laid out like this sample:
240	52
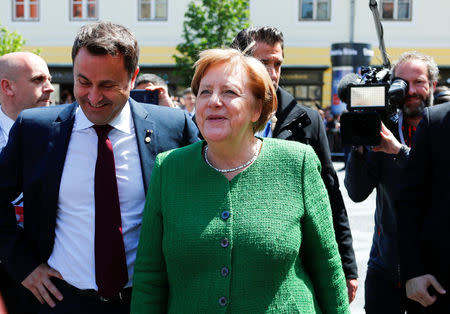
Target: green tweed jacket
260	243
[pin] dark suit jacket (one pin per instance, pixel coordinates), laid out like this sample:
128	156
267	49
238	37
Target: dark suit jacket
424	202
33	162
314	135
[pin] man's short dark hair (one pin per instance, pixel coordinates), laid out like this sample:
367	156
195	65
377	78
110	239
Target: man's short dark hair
187	91
150	78
106	38
245	40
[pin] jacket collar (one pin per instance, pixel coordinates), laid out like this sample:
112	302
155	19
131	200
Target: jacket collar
288	110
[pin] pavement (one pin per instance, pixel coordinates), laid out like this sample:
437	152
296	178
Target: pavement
361	223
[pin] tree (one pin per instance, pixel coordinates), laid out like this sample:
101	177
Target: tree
10	41
208	24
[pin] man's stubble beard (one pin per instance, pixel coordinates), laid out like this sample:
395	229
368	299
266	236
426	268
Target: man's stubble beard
418	111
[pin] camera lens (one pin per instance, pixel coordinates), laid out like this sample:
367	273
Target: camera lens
397	91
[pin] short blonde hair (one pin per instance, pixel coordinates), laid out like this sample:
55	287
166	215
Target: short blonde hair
259	80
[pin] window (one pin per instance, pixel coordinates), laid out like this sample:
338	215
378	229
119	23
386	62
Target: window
26	10
83	10
314	10
395	9
152	10
308	94
304	84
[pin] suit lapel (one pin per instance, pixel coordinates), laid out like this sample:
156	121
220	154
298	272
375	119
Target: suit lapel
61	129
144	127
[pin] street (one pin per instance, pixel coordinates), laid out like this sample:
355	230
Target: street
361	223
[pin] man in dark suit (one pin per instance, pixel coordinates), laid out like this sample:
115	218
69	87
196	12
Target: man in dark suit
84	169
299	123
423	213
24	83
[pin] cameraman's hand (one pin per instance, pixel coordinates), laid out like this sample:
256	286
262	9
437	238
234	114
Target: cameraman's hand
389	144
163	96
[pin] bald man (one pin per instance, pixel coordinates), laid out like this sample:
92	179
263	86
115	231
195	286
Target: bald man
24	83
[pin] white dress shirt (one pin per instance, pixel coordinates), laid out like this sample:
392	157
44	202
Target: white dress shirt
74	251
190	113
6	124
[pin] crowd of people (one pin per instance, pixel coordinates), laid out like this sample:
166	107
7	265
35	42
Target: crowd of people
109	205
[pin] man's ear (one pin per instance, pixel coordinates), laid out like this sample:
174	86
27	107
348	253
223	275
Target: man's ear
133	78
434	85
6	87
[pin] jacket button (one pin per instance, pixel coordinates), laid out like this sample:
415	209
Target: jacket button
225	215
222	301
224	242
224	271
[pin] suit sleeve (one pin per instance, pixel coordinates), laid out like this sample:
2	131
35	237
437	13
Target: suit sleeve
338	210
16	252
411	205
361	175
150	285
320	250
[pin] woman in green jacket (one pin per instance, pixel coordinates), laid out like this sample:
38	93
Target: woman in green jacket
237	223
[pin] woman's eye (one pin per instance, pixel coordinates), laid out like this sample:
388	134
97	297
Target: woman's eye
204	92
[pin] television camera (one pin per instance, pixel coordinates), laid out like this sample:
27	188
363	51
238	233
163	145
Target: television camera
371	98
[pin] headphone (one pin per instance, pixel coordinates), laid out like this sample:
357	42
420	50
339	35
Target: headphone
441	97
442	94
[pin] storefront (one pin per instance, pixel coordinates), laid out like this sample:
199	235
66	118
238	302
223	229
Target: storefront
305	84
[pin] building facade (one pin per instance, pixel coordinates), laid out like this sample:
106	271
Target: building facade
309	27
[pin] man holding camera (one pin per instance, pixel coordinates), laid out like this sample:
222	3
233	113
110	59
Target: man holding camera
299	123
380	168
153	82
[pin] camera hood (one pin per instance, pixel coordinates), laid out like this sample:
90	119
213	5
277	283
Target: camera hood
361	128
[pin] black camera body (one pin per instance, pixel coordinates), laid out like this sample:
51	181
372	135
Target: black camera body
145	96
370	100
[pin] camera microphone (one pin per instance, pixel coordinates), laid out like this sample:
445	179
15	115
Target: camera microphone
342	88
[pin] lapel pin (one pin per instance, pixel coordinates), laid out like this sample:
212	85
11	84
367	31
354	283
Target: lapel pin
148	133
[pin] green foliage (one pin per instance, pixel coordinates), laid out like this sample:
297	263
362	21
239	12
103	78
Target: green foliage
208	24
10	41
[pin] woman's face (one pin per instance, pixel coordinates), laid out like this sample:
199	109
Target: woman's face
226	108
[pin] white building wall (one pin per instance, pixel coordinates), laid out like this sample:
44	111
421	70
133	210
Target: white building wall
429	27
56	29
307	44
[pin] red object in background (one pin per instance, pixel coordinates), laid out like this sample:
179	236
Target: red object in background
336	100
19	214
